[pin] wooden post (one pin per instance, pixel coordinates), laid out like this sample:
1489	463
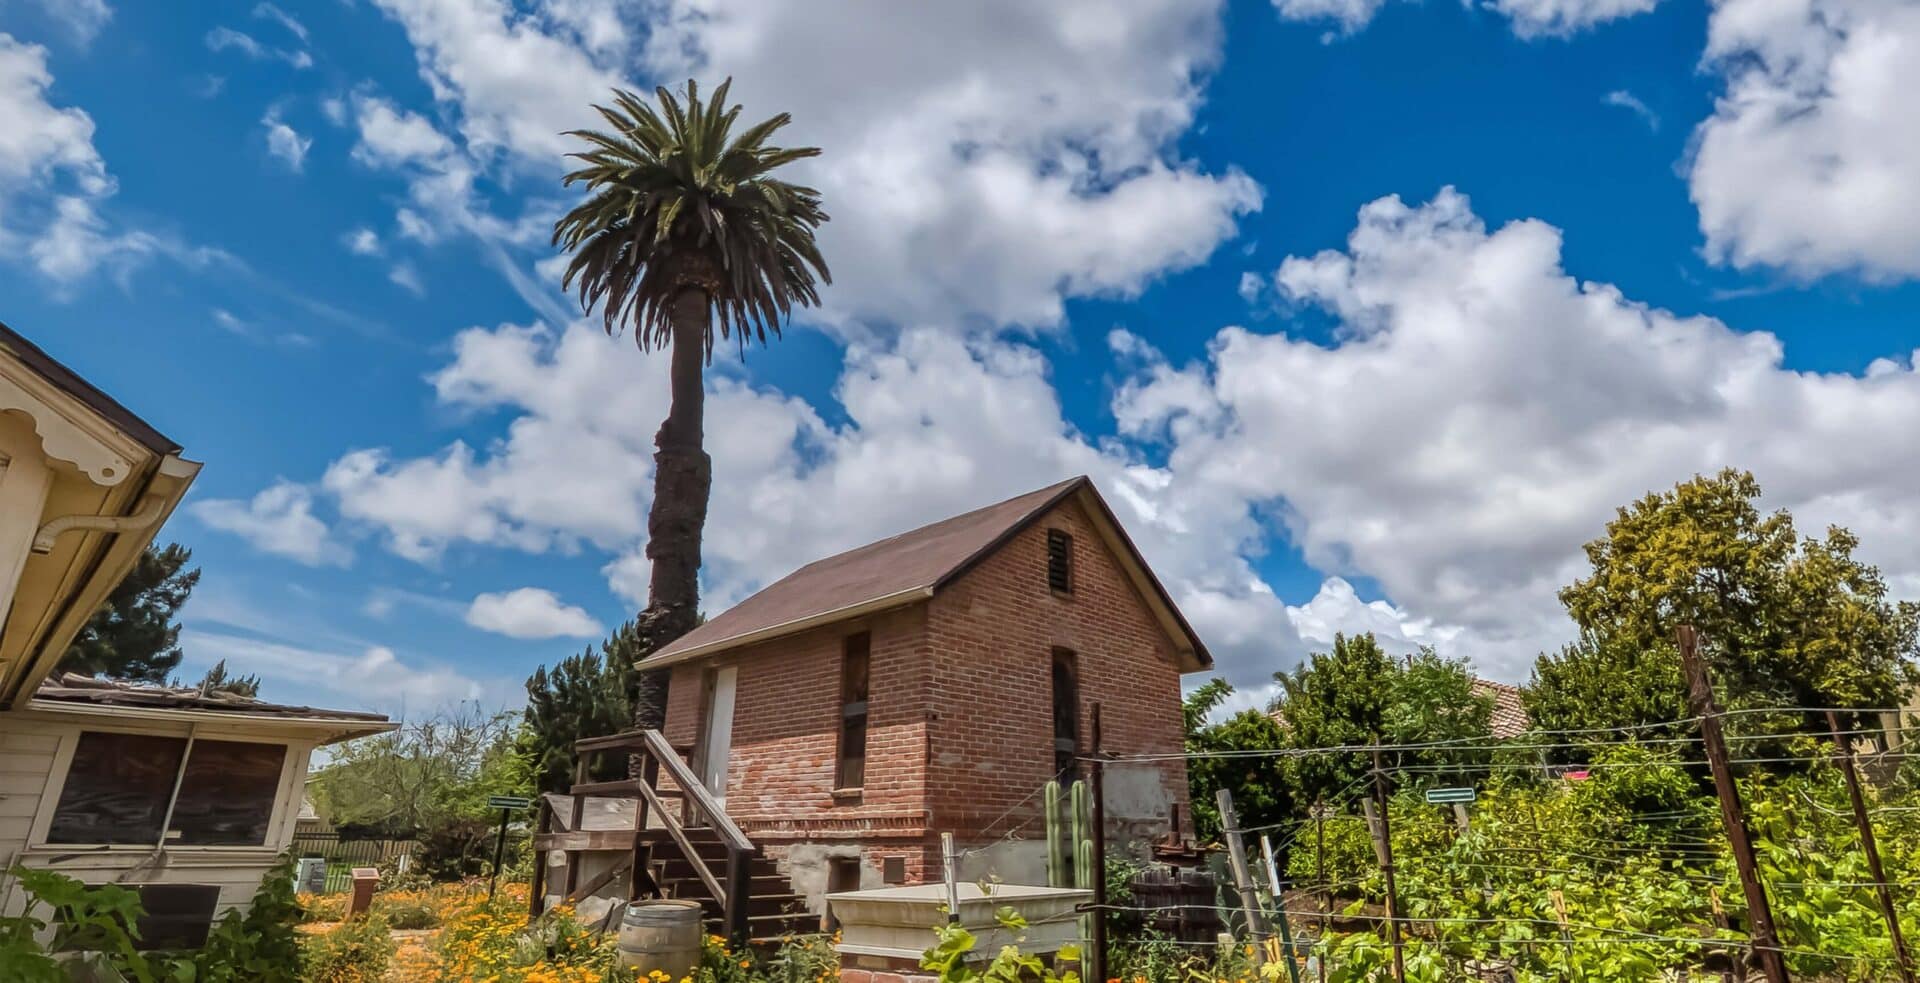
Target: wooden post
1326	886
1871	848
541	826
1766	942
1372	816
1097	776
578	820
1560	915
739	898
1279	908
1237	858
1386	867
499	851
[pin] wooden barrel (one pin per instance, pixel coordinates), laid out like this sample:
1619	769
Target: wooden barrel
662	935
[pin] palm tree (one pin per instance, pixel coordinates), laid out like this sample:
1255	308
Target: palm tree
683	229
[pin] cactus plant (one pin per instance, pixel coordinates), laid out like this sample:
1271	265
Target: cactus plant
1057	873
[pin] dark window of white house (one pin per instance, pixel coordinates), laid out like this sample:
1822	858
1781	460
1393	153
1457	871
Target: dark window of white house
1060	561
1066	714
119	787
178	916
851	768
227	796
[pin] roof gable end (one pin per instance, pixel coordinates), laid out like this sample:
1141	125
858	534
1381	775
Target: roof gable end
911	567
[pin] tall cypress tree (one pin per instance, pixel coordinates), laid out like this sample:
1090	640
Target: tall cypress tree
133	636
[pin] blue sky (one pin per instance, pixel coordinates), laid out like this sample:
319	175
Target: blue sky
1365	314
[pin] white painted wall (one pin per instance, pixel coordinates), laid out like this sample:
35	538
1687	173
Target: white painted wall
35	749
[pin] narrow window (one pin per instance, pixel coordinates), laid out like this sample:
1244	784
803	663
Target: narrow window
893	870
117	789
851	770
1060	561
226	798
1066	715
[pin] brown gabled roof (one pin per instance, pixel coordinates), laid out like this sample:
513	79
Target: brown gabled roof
903	569
69	382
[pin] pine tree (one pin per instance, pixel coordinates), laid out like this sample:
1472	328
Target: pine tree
217	681
133	636
586	695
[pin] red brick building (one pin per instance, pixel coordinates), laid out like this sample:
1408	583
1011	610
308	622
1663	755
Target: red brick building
933	682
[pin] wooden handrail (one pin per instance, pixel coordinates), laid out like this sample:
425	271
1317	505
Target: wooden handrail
686	847
657	753
697	793
624	739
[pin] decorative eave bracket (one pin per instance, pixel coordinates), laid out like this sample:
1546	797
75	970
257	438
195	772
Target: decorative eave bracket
64	439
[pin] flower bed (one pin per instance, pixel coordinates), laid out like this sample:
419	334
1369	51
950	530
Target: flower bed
468	938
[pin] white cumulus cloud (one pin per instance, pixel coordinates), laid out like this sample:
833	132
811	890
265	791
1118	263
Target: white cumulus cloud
1810	163
983	162
1528	19
1482	412
285	142
530	612
278	520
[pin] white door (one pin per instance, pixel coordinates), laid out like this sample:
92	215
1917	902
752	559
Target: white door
719	736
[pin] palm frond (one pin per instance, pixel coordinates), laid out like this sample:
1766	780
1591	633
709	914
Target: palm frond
674	199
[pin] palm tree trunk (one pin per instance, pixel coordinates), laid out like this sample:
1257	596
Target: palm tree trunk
682	481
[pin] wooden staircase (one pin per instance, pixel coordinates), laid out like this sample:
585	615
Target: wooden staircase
695	852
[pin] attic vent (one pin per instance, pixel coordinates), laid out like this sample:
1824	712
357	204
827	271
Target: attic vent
1060	561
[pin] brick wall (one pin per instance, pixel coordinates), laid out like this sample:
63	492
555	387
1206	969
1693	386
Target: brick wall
993	633
960	713
786	731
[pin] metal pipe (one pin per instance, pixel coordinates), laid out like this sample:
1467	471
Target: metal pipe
147	516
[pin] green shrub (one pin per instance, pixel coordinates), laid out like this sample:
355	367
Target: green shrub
358	951
259	945
407	912
93	918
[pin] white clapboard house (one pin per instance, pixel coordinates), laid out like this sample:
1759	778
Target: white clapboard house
187	797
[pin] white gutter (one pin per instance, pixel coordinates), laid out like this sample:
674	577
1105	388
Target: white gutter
896	599
151	509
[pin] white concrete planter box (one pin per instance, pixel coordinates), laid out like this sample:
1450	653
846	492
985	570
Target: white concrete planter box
898	923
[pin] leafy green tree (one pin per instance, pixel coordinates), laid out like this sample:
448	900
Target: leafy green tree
1357	695
1784	620
585	695
1599	682
430	779
133	636
1261	793
684	225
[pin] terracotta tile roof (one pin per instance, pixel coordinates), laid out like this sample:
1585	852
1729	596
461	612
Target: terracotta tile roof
1509	715
74	688
896	570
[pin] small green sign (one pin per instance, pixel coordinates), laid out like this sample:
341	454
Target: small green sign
508	802
1444	796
